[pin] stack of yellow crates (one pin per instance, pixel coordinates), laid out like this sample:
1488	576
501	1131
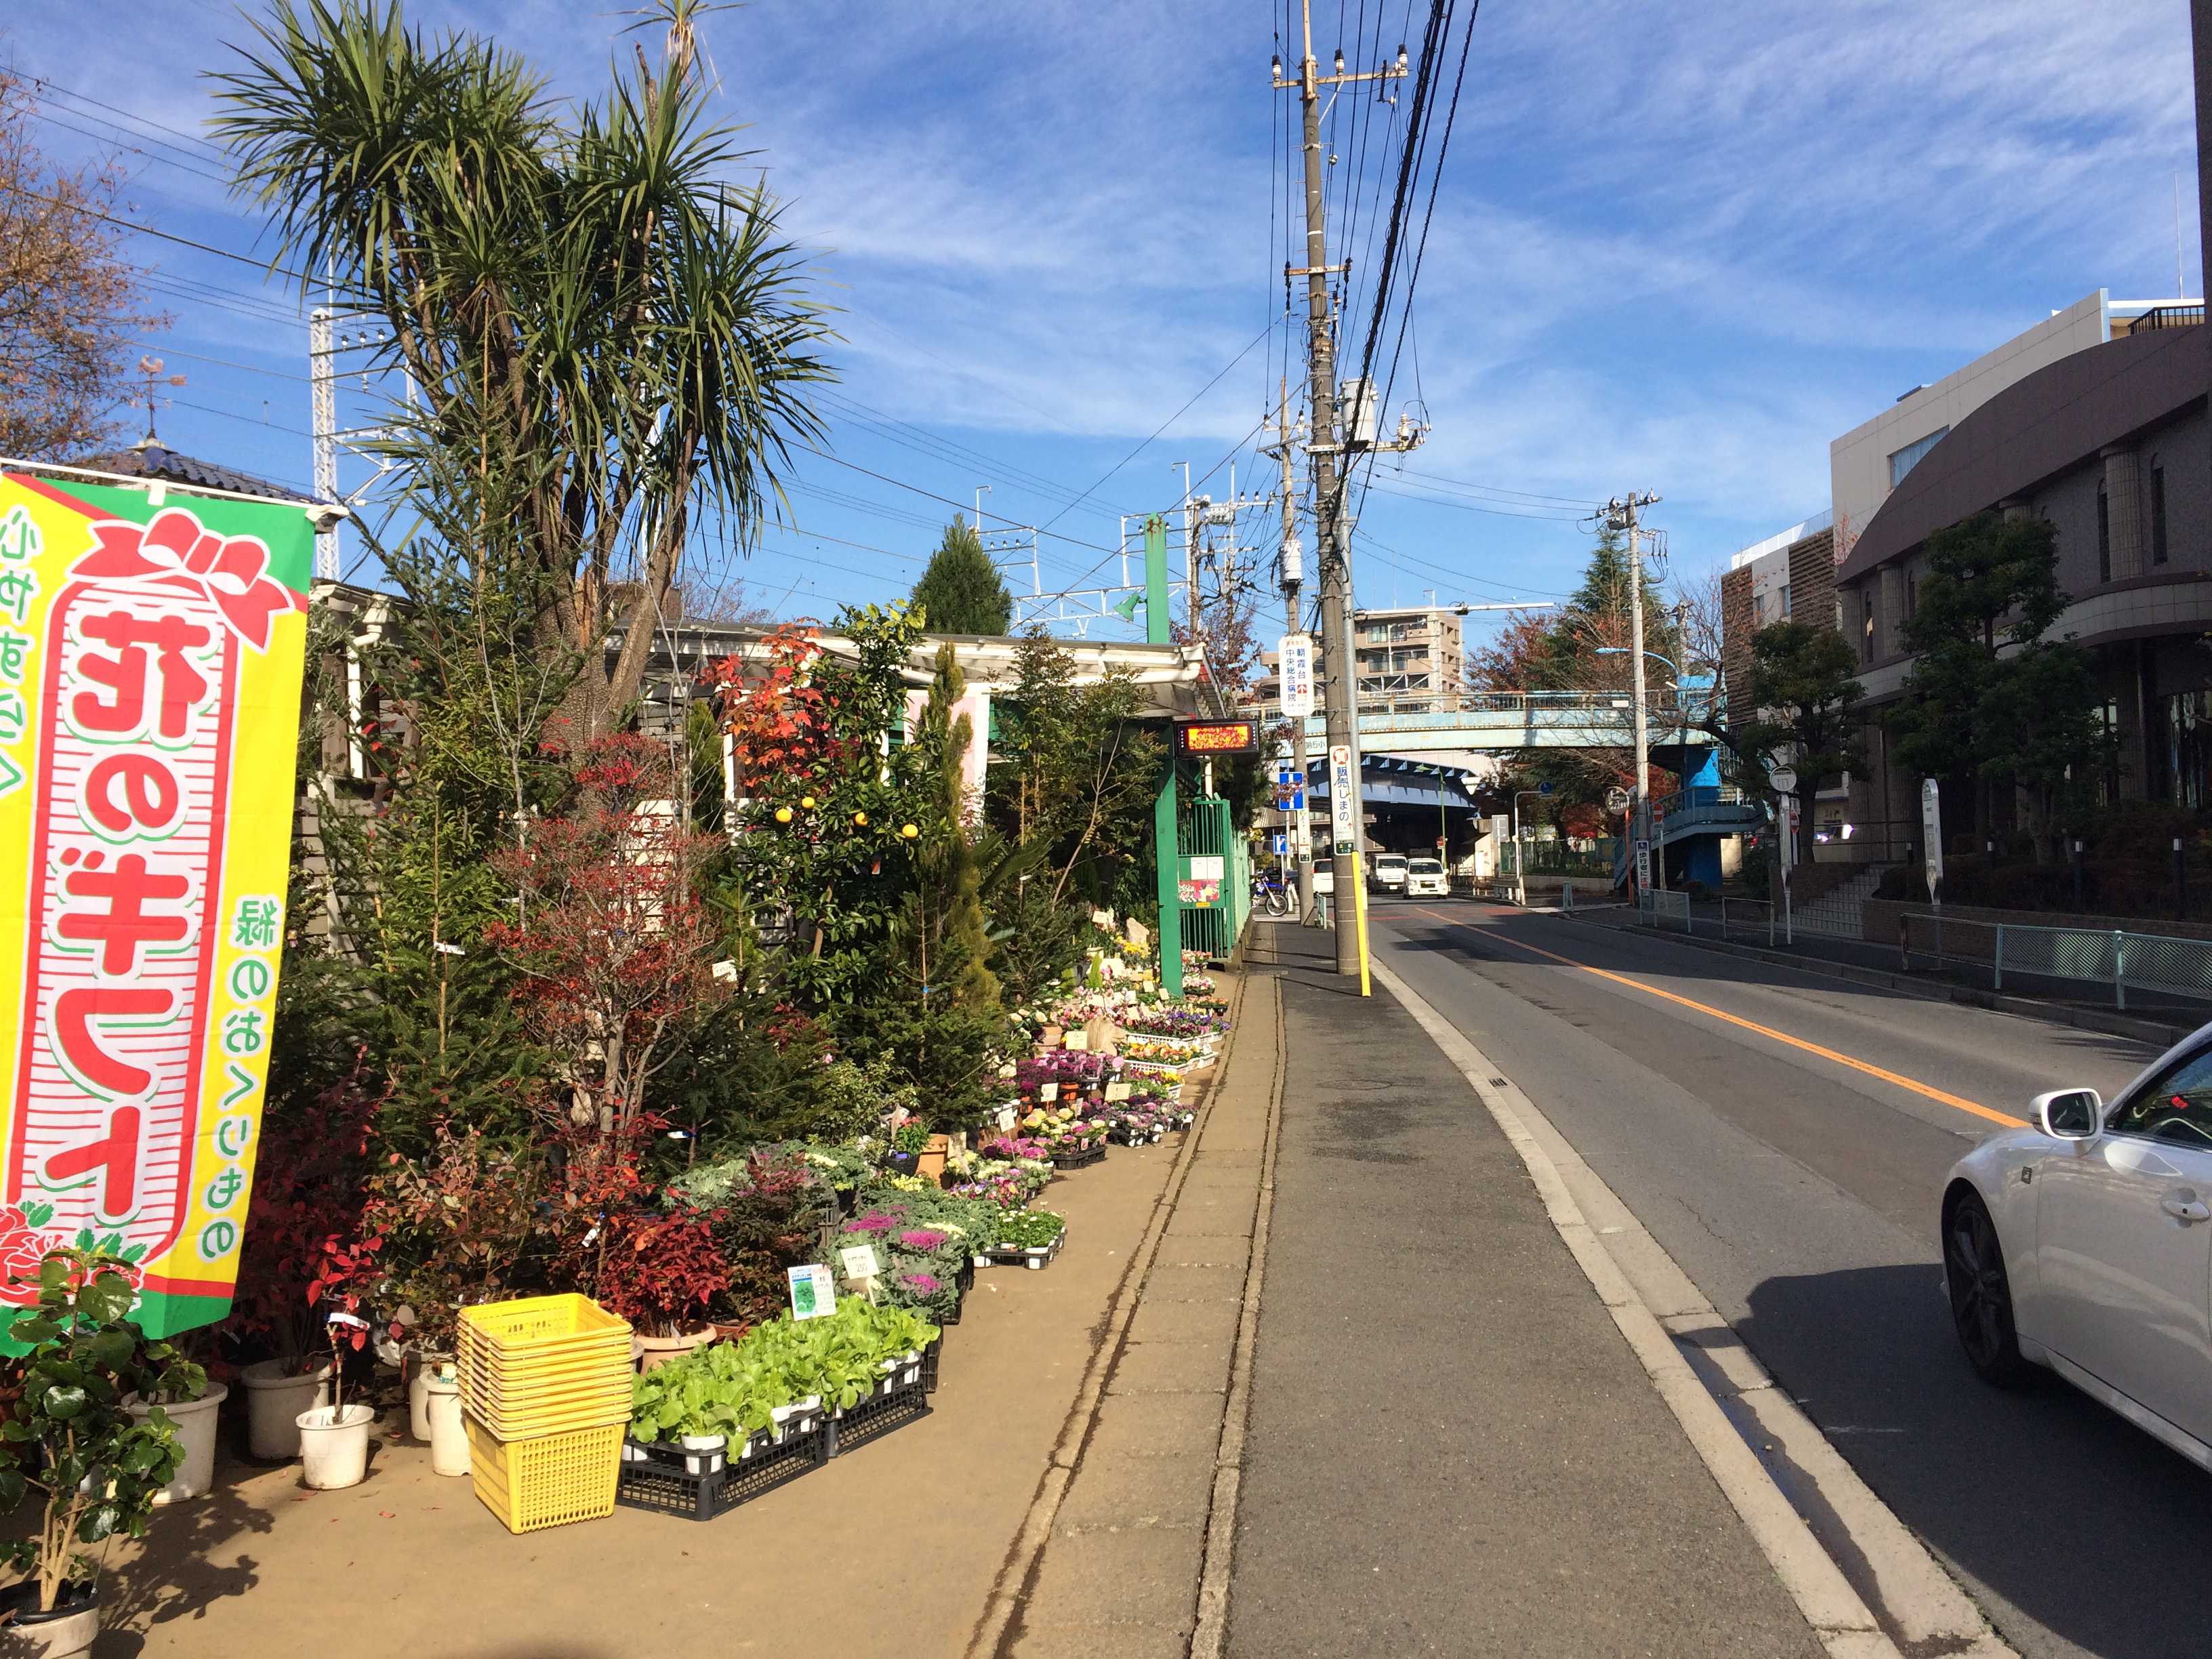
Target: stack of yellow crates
545	1397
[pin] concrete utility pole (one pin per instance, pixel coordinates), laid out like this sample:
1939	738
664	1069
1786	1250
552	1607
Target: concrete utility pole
1293	576
1332	557
1621	512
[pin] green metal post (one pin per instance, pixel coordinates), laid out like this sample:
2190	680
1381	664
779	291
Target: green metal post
1166	849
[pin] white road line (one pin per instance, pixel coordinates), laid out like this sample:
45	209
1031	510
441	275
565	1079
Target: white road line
1695	1360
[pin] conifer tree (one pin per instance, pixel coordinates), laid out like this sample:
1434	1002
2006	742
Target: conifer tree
962	591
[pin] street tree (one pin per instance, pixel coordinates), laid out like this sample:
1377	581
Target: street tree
962	590
71	301
1806	695
612	344
1990	696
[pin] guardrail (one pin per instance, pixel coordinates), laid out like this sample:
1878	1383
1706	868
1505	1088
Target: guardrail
1496	702
2152	967
1659	908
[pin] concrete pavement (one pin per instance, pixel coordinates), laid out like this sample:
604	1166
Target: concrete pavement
1451	1450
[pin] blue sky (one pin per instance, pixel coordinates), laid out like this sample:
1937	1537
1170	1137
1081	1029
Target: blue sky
1676	248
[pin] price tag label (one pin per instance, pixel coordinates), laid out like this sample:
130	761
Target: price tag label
813	1291
1047	1091
1008	1118
860	1261
1117	1092
1078	1043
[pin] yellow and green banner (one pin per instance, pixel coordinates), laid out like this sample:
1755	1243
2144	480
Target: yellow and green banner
151	658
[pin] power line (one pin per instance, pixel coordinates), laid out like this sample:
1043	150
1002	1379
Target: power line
1438	479
1371	487
148	230
220	362
838	460
1157	430
213	149
49	117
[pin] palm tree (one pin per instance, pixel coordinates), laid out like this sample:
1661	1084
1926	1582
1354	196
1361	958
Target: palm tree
611	345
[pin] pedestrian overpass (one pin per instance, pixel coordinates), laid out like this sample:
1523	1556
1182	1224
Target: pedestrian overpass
1418	723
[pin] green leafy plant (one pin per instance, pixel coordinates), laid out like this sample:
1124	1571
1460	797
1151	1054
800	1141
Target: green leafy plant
733	1388
1029	1230
910	1136
68	1435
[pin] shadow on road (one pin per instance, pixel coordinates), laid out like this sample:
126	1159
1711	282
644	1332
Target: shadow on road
2024	1492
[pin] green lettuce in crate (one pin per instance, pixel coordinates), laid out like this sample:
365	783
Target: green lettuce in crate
732	1389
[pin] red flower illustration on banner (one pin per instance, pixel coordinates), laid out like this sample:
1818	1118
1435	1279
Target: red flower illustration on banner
22	1246
231	572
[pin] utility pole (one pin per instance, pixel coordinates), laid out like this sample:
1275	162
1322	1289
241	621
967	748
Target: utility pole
1294	577
323	405
1621	514
1332	558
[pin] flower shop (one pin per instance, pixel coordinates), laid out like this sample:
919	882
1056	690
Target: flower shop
630	1108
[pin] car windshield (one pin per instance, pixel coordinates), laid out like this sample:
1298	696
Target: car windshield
1323	866
1390	858
1424	867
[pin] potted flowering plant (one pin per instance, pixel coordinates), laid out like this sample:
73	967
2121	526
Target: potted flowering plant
97	1469
663	1273
334	1438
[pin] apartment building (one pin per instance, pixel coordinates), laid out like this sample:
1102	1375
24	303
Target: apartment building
1419	651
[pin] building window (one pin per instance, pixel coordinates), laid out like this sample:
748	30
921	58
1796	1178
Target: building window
2188	747
1912	595
1785	602
1910	457
2108	723
2157	514
1866	632
2103	536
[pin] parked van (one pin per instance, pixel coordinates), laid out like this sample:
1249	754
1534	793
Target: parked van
1389	873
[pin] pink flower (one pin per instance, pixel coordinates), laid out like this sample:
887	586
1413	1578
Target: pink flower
921	1240
926	1283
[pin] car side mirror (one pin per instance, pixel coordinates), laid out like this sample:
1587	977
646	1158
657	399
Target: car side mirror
2069	1114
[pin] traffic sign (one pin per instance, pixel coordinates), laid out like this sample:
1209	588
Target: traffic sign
1784	780
1642	864
1616	800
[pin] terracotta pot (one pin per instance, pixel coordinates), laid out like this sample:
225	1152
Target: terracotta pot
653	1351
929	1166
67	1632
195	1423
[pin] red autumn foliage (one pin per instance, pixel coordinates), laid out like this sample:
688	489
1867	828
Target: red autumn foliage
661	1273
613	942
779	719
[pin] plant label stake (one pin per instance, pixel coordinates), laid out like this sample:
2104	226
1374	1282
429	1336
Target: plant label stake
813	1292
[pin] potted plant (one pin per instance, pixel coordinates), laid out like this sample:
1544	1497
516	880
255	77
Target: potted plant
309	1188
191	1407
909	1141
663	1273
68	1436
334	1438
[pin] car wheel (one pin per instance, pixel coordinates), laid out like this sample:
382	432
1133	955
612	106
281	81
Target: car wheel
1981	1294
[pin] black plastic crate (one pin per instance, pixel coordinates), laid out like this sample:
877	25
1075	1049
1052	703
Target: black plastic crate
663	1480
930	1356
1015	1255
1082	1160
878	1416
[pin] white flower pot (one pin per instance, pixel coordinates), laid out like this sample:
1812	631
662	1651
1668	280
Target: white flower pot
422	1368
67	1632
195	1421
702	1453
276	1394
449	1440
334	1445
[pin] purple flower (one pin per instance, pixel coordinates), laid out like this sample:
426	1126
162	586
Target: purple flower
921	1240
874	1222
923	1284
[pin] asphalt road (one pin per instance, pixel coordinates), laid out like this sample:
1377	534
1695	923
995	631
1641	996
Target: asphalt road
1799	1189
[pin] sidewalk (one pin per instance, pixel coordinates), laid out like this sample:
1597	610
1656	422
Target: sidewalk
1450	1447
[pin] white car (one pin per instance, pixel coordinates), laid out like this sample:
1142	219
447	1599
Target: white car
1389	873
1425	878
2084	1244
1324	876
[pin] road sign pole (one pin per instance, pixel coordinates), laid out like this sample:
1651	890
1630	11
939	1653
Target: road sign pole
1166	848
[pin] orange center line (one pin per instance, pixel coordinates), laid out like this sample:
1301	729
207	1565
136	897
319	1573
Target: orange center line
1912	1085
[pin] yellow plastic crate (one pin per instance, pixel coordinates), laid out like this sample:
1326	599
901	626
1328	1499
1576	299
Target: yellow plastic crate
610	1370
518	1418
535	1332
547	1481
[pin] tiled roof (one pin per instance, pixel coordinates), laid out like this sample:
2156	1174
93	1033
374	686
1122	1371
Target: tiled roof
153	461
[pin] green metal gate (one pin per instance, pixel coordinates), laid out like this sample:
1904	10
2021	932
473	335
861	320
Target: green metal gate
1214	871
